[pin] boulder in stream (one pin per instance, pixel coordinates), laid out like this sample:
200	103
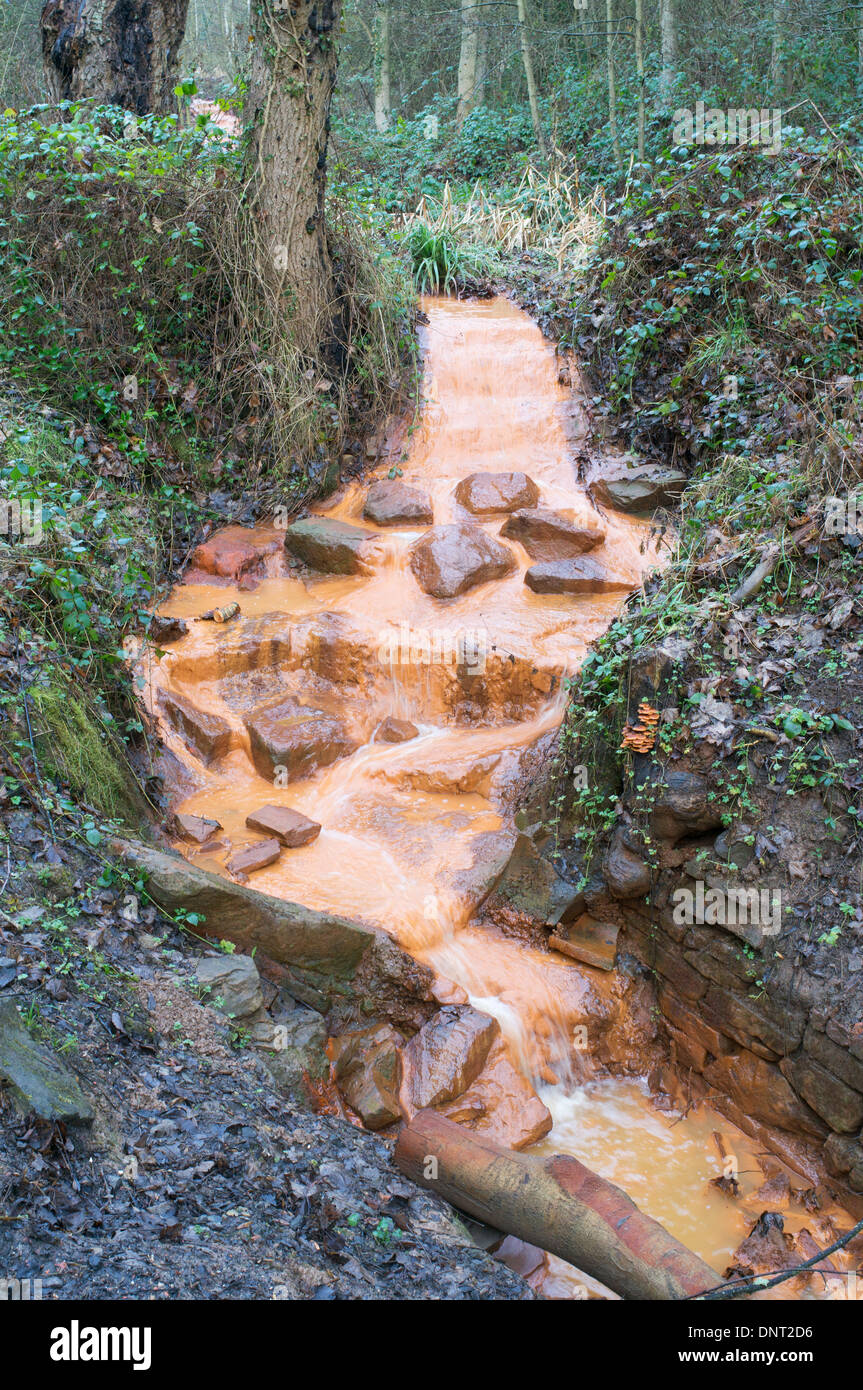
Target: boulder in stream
232	553
323	543
451	559
252	857
392	730
448	1054
392	503
291	827
490	494
550	535
580	575
285	733
196	829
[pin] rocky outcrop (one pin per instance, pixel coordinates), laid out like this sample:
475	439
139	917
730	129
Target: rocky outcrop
41	1083
327	962
547	535
393	503
452	559
490	494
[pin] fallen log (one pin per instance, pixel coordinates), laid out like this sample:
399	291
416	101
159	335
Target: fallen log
555	1203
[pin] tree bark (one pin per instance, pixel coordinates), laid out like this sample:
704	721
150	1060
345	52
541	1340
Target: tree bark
527	59
288	109
118	52
555	1203
639	69
668	41
612	86
777	54
468	61
383	99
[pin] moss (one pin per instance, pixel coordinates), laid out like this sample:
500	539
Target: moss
76	748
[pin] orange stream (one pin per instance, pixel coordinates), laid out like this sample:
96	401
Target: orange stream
401	823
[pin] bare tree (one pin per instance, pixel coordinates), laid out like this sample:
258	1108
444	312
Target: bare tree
288	109
612	85
777	54
639	69
668	42
527	59
469	61
383	98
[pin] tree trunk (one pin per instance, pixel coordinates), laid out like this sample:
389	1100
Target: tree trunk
468	61
527	58
288	107
777	55
639	69
612	87
383	101
119	52
668	40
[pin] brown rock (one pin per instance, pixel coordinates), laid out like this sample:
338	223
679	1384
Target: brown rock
588	940
206	734
163	629
292	828
625	872
256	856
367	1067
230	553
643	490
690	1023
501	1104
329	545
448	1053
196	829
392	730
451	559
549	535
760	1090
829	1097
581	575
392	503
489	494
286	734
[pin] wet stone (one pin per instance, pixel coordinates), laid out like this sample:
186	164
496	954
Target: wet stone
206	734
291	827
581	575
448	1054
196	829
588	940
367	1066
395	731
296	737
489	494
644	491
451	559
254	857
325	544
393	503
233	983
549	535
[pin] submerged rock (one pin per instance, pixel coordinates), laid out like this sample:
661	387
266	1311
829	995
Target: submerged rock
393	503
233	983
451	559
489	494
325	544
196	829
284	733
41	1084
291	827
580	575
367	1066
549	535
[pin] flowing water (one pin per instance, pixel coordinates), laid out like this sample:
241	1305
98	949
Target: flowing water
412	831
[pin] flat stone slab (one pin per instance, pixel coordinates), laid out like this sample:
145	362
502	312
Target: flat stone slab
393	503
581	575
550	535
325	544
451	559
196	829
588	940
206	734
291	827
253	857
490	494
41	1083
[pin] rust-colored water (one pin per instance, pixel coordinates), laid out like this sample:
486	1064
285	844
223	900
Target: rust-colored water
410	831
